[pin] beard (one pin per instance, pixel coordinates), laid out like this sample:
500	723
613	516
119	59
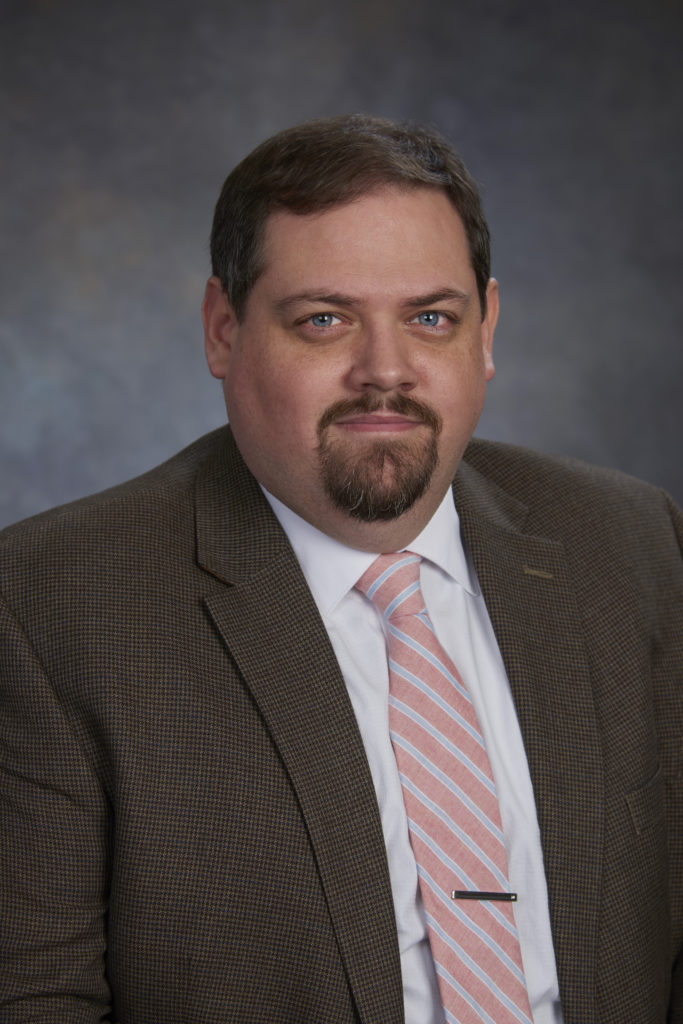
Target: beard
382	479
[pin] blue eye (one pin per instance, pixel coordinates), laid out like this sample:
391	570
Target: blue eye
429	318
322	319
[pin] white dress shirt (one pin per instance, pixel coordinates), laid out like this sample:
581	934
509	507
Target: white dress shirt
462	624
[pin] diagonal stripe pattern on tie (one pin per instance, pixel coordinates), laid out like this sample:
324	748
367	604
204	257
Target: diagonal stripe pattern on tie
452	807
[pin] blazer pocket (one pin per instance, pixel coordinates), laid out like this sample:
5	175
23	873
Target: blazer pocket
647	803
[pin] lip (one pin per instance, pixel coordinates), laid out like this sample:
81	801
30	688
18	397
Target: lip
377	423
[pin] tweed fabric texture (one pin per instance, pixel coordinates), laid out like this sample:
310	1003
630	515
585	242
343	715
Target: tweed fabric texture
452	807
188	827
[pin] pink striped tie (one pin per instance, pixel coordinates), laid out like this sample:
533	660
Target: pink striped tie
452	807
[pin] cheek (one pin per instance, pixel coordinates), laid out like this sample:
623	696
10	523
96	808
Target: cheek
278	408
248	405
461	397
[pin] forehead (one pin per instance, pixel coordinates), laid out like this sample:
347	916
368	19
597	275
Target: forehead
385	236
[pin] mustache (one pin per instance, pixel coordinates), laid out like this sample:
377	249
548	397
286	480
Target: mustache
403	405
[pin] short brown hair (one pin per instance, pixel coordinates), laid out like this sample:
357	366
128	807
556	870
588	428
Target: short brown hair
330	162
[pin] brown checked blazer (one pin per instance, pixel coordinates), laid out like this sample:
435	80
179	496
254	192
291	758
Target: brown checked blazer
189	829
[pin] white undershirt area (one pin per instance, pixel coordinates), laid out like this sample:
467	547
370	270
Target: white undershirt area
463	627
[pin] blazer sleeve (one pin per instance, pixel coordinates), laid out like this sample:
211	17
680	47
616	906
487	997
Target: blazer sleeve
54	851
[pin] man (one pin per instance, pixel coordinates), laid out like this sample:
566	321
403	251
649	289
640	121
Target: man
209	811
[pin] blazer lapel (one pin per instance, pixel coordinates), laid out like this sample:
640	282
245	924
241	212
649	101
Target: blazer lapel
269	621
531	602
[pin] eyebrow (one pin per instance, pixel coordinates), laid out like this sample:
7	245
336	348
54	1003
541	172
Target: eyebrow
443	295
340	299
316	298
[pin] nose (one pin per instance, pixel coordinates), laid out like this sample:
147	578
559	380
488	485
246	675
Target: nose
383	361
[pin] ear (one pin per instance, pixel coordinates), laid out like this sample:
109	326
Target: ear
220	327
488	327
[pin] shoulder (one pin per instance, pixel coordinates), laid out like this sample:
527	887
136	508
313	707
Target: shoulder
524	471
618	539
601	517
143	519
556	488
166	485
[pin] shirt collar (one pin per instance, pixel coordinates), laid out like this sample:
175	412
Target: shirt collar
332	568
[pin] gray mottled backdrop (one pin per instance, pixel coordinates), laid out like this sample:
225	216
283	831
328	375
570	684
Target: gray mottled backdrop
121	120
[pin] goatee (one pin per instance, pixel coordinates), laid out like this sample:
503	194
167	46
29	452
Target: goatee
378	480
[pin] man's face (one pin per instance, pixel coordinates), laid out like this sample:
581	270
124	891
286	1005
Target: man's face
357	374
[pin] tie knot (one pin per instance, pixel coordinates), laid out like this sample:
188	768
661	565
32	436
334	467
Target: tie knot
393	584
